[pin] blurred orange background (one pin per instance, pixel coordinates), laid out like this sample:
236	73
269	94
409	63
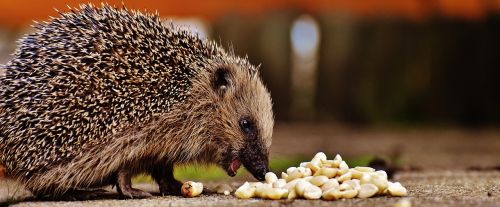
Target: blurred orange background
16	13
420	78
369	62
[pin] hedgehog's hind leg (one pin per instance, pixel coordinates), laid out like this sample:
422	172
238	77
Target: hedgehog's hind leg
124	185
164	176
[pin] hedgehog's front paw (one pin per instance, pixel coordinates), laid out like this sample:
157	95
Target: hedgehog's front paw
171	187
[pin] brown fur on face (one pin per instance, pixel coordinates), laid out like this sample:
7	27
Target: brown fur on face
241	96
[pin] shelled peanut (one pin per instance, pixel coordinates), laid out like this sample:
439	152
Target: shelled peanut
322	178
191	189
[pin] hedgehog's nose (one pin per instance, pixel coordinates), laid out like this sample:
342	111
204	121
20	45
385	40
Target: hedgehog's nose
255	159
260	173
260	177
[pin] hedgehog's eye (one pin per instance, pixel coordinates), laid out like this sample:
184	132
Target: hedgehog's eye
246	125
221	81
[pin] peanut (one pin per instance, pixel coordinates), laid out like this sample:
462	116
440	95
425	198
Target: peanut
320	178
320	156
343	168
364	169
328	172
313	166
291	185
356	174
301	186
290	170
312	192
332	194
292	194
245	191
351	193
271	177
354	184
345	177
280	183
191	189
273	193
337	157
396	189
367	190
331	183
261	189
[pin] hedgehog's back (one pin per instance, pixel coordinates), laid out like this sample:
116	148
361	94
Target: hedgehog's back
85	76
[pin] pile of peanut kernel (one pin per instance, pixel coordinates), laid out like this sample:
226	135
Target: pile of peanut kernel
322	178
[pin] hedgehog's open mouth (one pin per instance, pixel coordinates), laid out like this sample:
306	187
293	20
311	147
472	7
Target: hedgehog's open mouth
233	167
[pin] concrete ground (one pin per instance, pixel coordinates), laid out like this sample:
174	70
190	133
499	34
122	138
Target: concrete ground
437	188
455	167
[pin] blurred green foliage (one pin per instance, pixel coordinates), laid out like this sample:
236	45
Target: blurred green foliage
277	165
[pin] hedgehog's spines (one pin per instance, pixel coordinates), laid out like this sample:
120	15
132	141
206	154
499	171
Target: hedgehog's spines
73	66
84	77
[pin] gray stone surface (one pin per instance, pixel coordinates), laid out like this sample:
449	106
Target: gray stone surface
427	188
443	155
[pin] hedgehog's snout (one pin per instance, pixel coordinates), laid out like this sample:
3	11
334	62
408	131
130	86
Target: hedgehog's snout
260	172
254	154
255	159
258	168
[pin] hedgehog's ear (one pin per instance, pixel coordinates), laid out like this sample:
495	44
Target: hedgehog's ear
221	80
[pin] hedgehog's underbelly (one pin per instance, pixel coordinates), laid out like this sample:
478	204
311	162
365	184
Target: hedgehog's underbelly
96	168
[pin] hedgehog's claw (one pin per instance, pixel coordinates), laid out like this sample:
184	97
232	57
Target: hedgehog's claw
135	193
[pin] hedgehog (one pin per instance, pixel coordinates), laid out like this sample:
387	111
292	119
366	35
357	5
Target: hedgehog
100	94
